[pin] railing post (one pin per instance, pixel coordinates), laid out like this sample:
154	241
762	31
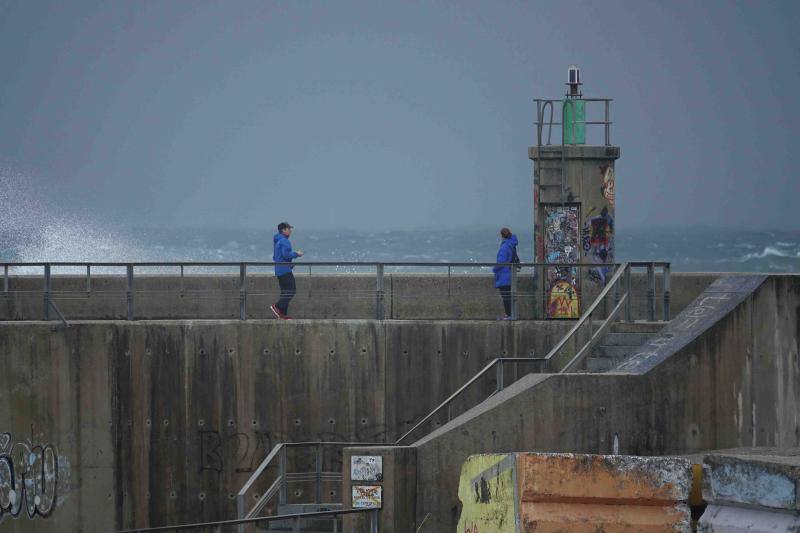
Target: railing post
616	291
129	291
667	290
88	279
608	122
5	278
513	292
296	524
47	292
499	375
282	474
628	292
240	512
379	292
373	521
539	120
242	291
319	474
651	291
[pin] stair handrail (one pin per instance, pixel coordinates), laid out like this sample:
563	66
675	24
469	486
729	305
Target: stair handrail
623	270
473	379
279	450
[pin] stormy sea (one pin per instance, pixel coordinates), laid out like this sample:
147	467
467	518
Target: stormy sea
689	249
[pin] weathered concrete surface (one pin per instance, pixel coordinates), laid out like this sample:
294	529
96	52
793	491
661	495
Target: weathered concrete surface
574	492
736	384
327	296
752	489
161	422
399	484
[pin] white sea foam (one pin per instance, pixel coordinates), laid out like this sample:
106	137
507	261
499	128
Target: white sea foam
769	251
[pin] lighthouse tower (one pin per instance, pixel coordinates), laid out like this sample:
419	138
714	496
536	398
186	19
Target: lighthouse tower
573	192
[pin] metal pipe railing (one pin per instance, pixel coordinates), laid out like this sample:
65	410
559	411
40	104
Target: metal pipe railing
542	105
465	386
296	520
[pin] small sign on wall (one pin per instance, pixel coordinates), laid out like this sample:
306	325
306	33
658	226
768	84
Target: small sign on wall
367	496
366	468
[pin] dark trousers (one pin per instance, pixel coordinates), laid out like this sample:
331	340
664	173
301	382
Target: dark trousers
288	290
505	294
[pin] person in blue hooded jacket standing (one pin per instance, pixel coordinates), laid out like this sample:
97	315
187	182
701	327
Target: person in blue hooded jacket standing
502	274
283	253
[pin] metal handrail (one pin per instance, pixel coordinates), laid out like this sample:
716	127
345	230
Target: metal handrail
543	103
588	313
296	518
492	363
280	482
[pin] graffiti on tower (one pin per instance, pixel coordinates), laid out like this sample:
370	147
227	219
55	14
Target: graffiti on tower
598	244
561	247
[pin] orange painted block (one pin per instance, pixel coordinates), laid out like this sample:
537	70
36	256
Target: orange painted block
610	479
575	517
527	492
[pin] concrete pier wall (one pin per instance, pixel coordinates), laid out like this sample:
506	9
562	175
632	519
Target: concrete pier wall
736	383
155	423
346	296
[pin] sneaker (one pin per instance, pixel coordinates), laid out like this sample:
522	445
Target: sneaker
276	311
504	317
287	317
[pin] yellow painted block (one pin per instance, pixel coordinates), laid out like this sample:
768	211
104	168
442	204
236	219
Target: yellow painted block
487	494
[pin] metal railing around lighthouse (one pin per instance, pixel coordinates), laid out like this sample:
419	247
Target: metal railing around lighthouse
545	120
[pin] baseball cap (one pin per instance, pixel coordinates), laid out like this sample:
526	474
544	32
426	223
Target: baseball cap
283	225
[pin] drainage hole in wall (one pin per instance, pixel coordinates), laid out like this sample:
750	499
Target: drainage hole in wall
265	352
147	422
201	496
165	422
296	421
331	421
297	352
363	350
332	494
202	351
230	351
332	352
363	421
147	351
298	493
230	422
173	495
147	494
405	352
254	423
231	496
438	352
256	496
201	422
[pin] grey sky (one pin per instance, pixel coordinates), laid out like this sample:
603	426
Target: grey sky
378	114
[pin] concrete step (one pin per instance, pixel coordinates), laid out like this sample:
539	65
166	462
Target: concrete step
602	364
637	327
626	339
618	352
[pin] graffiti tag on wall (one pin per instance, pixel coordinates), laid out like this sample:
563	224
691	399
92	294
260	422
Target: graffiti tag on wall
598	243
33	478
561	246
607	188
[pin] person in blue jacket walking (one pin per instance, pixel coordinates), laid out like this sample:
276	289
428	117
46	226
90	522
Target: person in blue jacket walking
282	253
502	274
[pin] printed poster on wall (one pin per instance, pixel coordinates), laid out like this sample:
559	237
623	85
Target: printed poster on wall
366	468
367	496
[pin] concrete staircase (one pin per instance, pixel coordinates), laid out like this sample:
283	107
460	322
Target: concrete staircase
624	340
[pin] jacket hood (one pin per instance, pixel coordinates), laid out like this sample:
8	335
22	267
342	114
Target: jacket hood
512	240
278	236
